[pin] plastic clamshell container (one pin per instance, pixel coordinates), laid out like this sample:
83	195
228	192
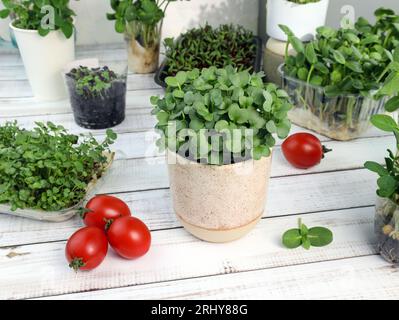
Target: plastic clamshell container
386	229
62	215
344	117
160	75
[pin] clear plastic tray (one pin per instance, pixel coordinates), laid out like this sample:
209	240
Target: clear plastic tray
62	215
387	229
344	117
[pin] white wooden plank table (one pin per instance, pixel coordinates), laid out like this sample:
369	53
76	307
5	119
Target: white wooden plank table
339	194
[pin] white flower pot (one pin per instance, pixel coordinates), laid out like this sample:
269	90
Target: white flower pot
218	203
302	19
44	59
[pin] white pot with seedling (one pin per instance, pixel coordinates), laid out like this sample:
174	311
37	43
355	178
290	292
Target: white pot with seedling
301	16
46	43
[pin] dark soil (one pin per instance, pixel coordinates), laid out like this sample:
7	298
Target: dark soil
100	112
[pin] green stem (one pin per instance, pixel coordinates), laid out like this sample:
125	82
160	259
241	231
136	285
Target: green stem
286	49
310	74
349	113
383	74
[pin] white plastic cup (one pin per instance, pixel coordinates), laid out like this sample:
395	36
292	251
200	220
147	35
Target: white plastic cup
302	19
45	59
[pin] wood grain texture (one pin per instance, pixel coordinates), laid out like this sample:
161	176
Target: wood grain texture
361	278
21	88
26	107
109	52
316	193
168	258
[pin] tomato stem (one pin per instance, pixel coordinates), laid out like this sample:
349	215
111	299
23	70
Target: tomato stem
76	264
108	223
326	150
82	212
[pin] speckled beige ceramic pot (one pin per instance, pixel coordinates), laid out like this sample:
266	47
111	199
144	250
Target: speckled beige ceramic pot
218	203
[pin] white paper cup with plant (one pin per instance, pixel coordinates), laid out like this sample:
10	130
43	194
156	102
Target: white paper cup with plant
44	32
217	126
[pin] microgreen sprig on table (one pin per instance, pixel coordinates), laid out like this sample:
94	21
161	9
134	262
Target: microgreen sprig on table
29	15
207	46
47	168
305	237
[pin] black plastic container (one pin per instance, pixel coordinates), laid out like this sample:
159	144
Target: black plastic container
160	75
102	111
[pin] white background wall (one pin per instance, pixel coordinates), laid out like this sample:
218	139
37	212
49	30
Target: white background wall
94	28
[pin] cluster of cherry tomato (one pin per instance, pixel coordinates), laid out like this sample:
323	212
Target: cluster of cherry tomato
303	150
108	220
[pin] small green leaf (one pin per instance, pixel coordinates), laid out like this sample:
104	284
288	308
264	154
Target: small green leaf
171	82
320	237
4	13
376	167
178	93
181	77
384	123
387	186
306	244
120	26
67	30
393	104
292	239
221	125
339	57
310	53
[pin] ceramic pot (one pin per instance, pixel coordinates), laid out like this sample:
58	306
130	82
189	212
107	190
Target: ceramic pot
44	59
218	203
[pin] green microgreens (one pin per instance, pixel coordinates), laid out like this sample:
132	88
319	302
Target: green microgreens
207	46
346	61
92	82
216	113
46	168
305	237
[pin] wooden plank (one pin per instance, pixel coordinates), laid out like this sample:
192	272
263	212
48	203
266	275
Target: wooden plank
168	258
361	278
109	52
27	107
138	112
137	119
288	195
9	73
21	88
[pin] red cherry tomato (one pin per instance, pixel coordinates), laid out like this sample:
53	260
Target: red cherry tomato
129	237
303	150
86	248
103	209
